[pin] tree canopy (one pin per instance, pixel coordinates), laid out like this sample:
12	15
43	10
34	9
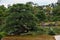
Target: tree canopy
23	18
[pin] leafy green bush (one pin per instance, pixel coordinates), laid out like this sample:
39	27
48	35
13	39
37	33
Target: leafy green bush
2	34
51	32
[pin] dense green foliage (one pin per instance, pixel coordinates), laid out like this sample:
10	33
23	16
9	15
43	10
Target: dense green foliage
21	19
56	13
26	18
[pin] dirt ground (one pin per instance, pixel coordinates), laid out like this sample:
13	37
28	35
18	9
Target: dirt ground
40	37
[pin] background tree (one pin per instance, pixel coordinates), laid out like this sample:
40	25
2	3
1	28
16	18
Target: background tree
20	20
56	13
2	16
2	13
41	16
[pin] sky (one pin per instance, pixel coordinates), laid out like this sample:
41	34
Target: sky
39	2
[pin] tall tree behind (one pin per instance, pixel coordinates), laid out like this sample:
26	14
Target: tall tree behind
2	13
56	13
21	19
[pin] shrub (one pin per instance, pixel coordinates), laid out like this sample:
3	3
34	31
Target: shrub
2	34
51	31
